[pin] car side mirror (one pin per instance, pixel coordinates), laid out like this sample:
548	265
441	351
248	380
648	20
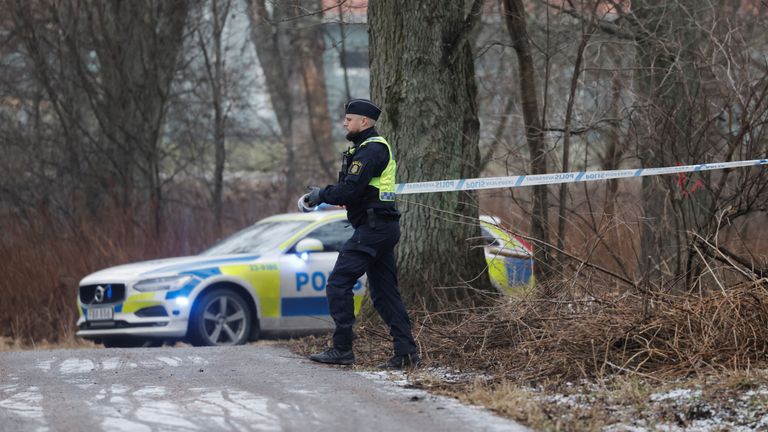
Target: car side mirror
309	245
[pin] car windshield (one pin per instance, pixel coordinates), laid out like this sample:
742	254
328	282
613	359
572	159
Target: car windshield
257	239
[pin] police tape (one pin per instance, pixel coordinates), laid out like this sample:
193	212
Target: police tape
559	178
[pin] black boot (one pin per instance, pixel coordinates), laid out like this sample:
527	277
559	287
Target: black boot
334	356
402	361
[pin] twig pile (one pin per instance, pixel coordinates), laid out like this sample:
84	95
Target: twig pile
572	337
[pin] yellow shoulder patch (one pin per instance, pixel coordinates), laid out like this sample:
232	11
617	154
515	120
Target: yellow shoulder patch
355	168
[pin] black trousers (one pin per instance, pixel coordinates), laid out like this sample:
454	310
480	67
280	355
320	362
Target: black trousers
370	250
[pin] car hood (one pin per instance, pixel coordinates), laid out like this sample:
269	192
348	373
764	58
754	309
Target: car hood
164	267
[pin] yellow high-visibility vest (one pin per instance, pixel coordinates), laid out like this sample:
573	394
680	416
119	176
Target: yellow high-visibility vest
385	182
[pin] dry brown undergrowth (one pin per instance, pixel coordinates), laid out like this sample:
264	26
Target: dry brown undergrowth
8	344
659	333
618	348
655	335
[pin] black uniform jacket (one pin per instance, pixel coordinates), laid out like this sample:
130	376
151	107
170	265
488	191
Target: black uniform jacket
353	190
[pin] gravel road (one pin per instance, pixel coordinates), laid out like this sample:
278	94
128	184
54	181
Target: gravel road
248	388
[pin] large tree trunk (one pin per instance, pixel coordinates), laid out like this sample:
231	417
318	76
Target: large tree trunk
271	40
290	46
319	160
514	14
422	75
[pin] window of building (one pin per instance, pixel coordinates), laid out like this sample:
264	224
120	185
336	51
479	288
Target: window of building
355	59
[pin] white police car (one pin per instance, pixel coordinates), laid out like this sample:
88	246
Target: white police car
270	276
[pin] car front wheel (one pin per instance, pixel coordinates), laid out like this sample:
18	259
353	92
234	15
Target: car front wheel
221	318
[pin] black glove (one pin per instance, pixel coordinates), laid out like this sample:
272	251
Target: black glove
313	197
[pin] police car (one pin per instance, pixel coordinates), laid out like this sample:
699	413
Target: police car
270	276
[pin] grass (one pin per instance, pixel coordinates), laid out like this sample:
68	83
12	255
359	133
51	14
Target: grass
8	344
507	399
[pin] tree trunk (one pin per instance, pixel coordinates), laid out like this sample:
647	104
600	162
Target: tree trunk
614	150
422	75
319	159
219	13
271	41
291	40
561	225
514	15
343	51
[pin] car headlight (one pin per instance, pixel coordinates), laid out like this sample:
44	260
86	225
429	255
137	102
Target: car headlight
162	284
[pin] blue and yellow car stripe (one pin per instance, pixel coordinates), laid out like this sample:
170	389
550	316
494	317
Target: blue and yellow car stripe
513	274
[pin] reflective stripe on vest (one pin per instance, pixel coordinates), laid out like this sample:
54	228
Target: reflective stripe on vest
385	183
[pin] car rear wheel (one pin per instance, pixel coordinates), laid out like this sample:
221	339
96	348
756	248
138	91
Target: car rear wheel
221	317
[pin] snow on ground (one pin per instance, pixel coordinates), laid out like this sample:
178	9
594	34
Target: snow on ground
672	408
397	382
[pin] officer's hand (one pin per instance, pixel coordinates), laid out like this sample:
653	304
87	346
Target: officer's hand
313	197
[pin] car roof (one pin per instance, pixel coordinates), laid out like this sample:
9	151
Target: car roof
327	213
333	213
313	216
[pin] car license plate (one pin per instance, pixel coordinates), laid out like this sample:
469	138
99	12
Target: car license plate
100	314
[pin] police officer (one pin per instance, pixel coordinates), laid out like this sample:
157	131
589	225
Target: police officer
366	187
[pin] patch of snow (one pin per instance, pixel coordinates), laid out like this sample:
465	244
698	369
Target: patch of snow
752	393
7	387
452	376
395	382
569	400
45	365
110	363
75	366
762	423
124	425
198	361
709	425
621	427
397	377
171	361
676	394
26	403
150	391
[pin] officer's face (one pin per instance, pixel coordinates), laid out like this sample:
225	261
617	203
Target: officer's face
354	123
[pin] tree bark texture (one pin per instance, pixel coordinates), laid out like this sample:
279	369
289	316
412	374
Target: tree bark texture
270	37
318	161
566	164
219	13
422	75
514	15
290	44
